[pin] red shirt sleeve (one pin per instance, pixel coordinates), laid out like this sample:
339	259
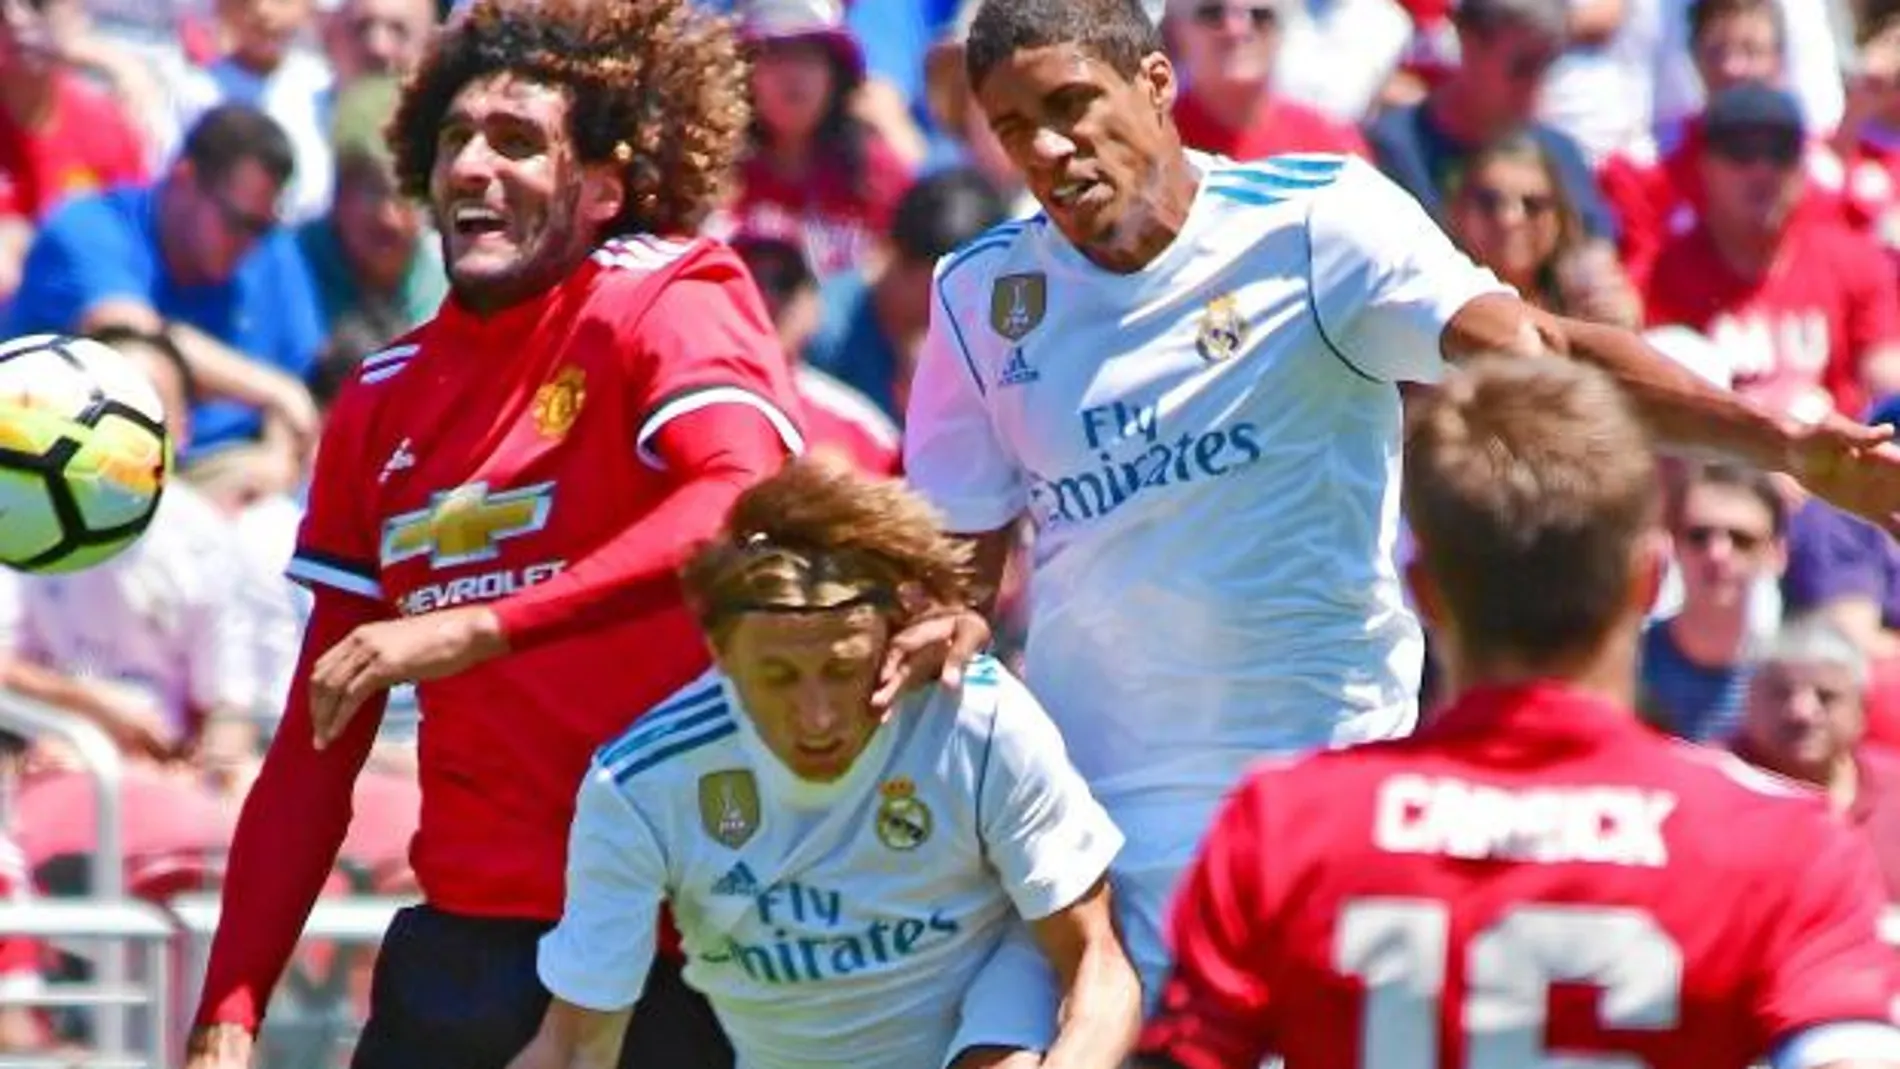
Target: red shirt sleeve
1873	320
716	417
337	543
292	826
1213	1009
1823	957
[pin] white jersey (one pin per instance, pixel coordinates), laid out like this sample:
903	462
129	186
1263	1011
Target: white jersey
834	924
1210	451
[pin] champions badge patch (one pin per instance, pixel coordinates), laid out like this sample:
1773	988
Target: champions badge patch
1018	303
557	404
729	806
1223	331
903	822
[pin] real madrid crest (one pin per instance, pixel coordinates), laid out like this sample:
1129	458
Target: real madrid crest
1223	330
903	821
729	806
557	404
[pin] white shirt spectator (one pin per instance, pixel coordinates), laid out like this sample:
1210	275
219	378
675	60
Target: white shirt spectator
1604	95
297	95
829	924
1337	54
162	622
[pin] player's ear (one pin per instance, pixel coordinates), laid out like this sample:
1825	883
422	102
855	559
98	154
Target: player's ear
1157	80
603	193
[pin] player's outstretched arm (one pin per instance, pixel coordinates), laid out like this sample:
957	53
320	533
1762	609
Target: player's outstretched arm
1101	996
287	840
1850	465
574	1037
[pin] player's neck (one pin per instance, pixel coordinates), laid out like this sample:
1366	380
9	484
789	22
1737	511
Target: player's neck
1156	220
1608	673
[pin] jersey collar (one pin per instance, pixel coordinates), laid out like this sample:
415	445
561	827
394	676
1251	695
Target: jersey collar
1542	712
522	317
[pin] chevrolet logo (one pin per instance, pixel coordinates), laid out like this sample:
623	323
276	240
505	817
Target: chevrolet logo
466	525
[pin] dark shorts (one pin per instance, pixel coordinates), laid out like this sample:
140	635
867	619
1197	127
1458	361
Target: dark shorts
454	992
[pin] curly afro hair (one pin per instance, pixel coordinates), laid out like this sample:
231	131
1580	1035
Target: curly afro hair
656	86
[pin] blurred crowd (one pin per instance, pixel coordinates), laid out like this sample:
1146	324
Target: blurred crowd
204	185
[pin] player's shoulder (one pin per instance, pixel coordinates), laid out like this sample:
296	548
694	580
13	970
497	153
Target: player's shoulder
990	699
673	740
989	254
1279	179
638	261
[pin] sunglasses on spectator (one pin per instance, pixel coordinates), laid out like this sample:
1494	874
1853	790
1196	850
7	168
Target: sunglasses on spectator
1778	149
240	221
1704	536
1214	15
1493	201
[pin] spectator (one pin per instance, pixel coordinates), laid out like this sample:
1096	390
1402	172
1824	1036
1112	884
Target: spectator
1727	524
1868	141
371	258
1225	52
59	136
268	69
837	418
1804	721
200	254
376	38
1805	50
811	163
1339	54
1506	47
22	1031
1735	42
1510	212
1602	90
151	644
1805	308
963	135
873	323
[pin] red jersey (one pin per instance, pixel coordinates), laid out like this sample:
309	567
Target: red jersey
1657	202
1279	127
844	421
521	460
85	144
1796	338
840	216
1534	875
19	957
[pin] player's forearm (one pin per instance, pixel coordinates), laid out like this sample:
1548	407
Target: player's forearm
1682	410
990	561
715	453
287	838
1101	1012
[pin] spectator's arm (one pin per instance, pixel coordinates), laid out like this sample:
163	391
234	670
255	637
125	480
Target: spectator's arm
881	106
1880	372
222	371
133	728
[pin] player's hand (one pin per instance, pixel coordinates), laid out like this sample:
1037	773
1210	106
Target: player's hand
934	648
1855	468
377	656
219	1046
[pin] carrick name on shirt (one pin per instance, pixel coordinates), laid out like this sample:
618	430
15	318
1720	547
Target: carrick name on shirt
1552	825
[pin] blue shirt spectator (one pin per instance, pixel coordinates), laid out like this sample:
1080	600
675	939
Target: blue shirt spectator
200	248
1698	702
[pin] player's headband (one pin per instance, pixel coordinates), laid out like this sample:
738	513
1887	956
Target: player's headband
821	568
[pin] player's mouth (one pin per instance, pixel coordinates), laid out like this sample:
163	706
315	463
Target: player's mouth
474	221
1072	193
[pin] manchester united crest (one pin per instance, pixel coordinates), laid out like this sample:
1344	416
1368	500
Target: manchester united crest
729	806
1223	330
557	404
903	820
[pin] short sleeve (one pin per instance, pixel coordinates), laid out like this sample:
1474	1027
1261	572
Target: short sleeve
1213	1010
951	451
1045	834
1385	279
337	543
81	257
597	957
707	340
1823	957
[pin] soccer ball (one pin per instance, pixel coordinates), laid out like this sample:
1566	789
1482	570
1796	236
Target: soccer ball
83	453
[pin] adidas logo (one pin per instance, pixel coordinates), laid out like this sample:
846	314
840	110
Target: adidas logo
1017	371
737	882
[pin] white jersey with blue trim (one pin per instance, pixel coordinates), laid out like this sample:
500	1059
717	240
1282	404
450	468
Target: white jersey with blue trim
828	924
1209	449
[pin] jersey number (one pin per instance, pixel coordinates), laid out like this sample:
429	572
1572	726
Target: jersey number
1398	947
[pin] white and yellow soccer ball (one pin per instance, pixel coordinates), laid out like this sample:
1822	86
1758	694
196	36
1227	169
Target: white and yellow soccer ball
83	453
